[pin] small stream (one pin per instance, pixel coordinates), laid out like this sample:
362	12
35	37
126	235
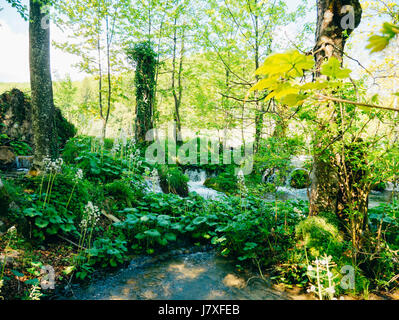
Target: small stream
185	276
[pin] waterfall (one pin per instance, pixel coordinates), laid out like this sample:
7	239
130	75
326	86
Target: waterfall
197	175
196	184
23	163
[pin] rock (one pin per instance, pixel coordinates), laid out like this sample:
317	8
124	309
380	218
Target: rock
15	119
15	110
9	258
7	157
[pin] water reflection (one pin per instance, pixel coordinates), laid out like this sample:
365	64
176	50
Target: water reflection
201	275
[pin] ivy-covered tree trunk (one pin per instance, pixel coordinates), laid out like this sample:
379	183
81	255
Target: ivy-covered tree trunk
336	20
145	59
43	112
353	189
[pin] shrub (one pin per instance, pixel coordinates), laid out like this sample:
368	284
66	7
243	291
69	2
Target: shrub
300	179
173	180
379	187
120	190
225	182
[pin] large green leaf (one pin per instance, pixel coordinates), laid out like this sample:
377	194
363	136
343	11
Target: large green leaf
332	68
41	223
153	233
292	64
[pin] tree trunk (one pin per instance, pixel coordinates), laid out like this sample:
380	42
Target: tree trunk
332	18
43	114
177	94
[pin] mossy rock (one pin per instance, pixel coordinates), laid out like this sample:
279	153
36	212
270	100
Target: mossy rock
300	179
173	180
319	236
65	129
381	186
16	122
120	191
225	182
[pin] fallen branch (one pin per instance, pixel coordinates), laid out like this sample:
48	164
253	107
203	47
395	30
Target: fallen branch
110	216
71	242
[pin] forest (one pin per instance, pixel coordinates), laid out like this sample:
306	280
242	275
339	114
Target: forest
199	149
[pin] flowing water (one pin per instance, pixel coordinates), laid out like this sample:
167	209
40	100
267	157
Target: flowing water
191	276
196	184
182	274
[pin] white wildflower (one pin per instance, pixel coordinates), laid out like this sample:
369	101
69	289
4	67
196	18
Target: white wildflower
78	175
12	230
330	290
52	166
297	211
312	289
91	215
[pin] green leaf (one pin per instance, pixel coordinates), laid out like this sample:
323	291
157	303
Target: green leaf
199	220
32	282
32	212
68	270
377	43
292	100
292	64
153	233
17	273
41	223
332	68
170	236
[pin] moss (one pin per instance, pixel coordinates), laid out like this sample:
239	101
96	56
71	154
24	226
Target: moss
121	191
172	180
4	200
65	129
20	107
225	182
320	236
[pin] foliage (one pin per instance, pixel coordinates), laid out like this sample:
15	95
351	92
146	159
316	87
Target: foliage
223	182
299	179
172	180
65	129
320	236
378	43
107	252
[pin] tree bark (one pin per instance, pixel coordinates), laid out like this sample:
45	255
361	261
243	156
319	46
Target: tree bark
43	113
330	42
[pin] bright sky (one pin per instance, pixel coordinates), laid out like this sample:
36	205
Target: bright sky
14	54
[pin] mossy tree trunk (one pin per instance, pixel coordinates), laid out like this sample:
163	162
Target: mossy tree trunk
330	42
339	175
144	58
43	112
